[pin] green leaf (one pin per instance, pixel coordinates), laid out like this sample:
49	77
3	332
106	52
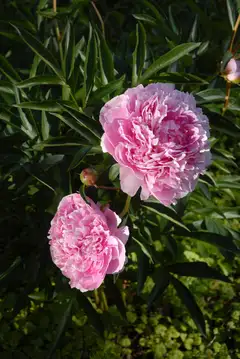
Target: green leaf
144	249
89	123
196	269
41	80
83	131
115	294
61	328
90	64
113	172
143	265
231	12
222	124
7	69
224	242
69	50
106	90
39	49
105	60
172	21
147	18
79	156
6	87
169	58
139	54
188	300
228	184
28	126
166	212
161	21
45	126
162	282
193	33
48	105
12	267
210	95
93	316
178	78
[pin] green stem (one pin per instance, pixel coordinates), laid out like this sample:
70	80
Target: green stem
126	207
104	301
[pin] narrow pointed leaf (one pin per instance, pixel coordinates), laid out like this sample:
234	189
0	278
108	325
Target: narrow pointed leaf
188	300
162	282
196	269
41	80
231	12
61	328
90	63
79	156
106	90
40	50
106	60
83	131
143	265
224	242
93	316
169	58
166	212
7	69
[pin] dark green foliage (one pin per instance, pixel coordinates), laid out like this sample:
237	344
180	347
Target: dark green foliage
57	69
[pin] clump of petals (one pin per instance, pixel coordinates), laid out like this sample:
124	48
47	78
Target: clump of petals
86	243
159	137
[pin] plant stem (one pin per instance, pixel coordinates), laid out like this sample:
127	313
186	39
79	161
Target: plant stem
237	23
227	96
55	5
104	300
100	17
126	207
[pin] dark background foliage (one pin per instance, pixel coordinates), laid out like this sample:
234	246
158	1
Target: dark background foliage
179	294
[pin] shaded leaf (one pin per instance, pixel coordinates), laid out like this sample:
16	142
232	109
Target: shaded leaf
162	282
41	80
90	64
40	50
169	58
61	328
106	60
114	172
79	156
166	212
143	265
196	269
188	300
106	90
93	316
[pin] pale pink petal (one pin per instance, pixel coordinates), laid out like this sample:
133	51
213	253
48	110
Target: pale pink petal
122	233
159	137
84	242
129	182
118	259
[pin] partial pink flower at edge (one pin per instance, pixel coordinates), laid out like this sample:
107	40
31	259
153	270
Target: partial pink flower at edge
232	71
86	243
159	137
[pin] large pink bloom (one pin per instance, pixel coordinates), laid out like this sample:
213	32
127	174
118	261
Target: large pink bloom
85	242
159	138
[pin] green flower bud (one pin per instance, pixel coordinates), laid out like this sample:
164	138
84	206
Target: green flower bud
89	176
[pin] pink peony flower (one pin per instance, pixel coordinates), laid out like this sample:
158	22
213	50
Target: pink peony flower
159	138
232	71
85	242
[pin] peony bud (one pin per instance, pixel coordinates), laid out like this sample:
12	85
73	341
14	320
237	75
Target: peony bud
232	71
89	176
